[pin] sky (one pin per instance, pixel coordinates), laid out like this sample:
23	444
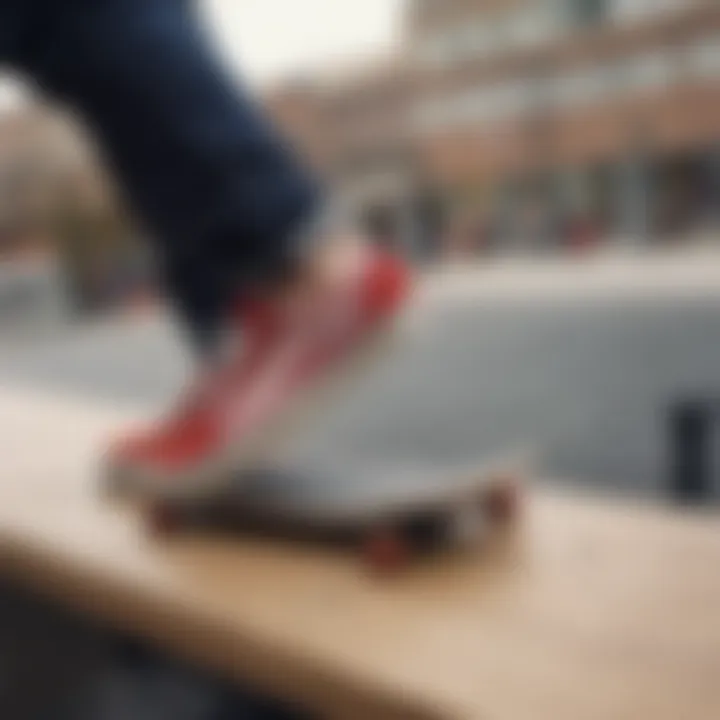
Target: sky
270	39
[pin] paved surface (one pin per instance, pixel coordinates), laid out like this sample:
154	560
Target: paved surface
585	375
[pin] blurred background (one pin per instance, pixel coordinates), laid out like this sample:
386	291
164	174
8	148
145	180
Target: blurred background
541	126
450	128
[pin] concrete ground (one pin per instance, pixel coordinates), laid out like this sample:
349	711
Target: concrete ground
578	359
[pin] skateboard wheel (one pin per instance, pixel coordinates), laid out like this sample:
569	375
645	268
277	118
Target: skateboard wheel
165	518
502	500
427	532
386	551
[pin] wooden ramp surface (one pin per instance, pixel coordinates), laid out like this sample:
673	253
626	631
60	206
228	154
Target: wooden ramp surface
596	612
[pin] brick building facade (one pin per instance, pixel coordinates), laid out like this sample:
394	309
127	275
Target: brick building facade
502	121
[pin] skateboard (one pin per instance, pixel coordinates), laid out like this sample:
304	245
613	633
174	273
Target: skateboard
389	516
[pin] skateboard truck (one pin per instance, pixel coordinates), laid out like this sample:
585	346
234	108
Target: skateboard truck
389	535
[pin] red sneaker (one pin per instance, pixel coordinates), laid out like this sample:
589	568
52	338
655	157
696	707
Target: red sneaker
235	412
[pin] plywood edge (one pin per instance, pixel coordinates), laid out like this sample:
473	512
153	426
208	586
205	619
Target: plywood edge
236	653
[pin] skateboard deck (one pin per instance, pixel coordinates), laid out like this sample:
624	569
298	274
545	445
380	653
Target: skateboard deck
390	514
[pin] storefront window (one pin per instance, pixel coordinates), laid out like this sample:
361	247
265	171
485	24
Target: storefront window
587	12
582	87
705	58
531	26
651	71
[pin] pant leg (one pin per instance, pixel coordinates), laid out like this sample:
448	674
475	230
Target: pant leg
14	19
224	199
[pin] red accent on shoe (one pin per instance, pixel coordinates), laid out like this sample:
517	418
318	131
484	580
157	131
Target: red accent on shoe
283	352
387	286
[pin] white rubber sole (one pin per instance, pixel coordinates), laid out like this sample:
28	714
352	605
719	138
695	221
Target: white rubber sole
206	479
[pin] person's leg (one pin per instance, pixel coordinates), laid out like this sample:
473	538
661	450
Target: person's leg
225	200
14	20
232	212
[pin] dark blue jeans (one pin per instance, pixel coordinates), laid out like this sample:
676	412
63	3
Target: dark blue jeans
225	201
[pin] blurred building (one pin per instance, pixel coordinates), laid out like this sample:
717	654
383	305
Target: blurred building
526	122
59	210
43	159
27	180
